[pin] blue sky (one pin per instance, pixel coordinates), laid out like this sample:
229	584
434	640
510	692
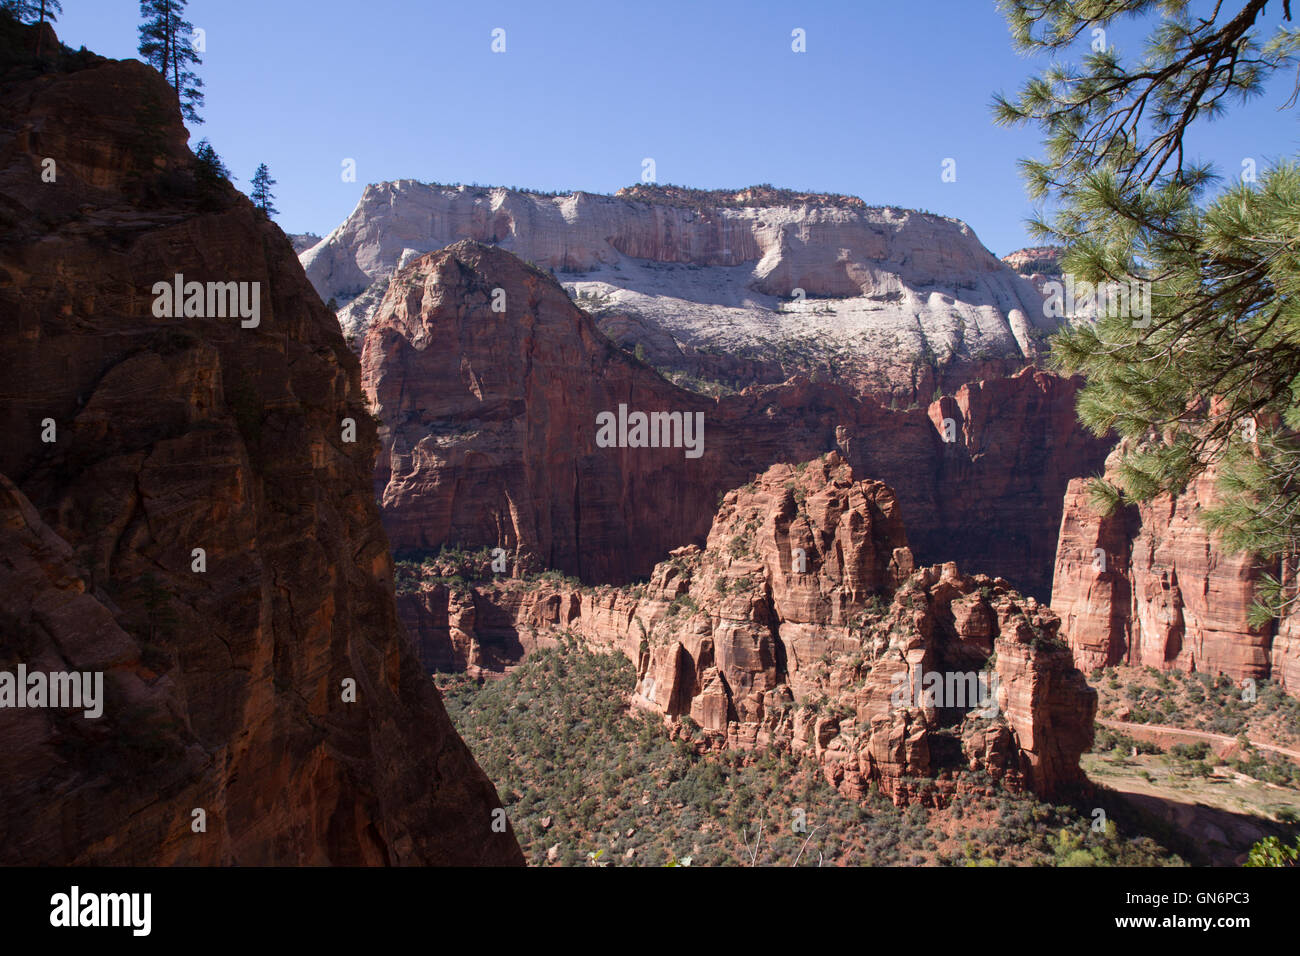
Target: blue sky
585	90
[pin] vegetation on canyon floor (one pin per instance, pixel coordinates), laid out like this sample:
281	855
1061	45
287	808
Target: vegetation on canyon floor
581	774
1273	852
1199	701
460	568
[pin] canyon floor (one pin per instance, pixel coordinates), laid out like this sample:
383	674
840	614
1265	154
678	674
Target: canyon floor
589	782
586	781
1225	811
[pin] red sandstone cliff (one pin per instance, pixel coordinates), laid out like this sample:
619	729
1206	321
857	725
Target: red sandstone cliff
792	628
1149	585
224	683
489	432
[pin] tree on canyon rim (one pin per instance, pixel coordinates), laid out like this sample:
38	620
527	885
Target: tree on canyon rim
210	173
34	11
261	194
167	44
1214	377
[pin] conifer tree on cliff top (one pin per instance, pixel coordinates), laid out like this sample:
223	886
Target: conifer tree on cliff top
34	11
167	44
1214	378
261	195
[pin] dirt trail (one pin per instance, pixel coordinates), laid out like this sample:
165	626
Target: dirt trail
1153	733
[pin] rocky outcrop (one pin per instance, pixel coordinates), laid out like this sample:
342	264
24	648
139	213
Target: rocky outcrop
1091	588
1035	261
187	511
1150	585
1039	264
755	285
803	625
489	381
302	241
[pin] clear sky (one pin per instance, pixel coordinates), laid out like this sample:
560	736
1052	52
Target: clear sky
585	90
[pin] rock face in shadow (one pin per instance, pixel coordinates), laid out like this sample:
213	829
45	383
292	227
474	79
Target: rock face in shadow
1149	585
803	625
490	383
186	508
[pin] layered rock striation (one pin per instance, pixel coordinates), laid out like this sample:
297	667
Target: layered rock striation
186	509
1149	585
732	288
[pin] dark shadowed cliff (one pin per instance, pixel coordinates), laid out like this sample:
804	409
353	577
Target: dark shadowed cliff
183	511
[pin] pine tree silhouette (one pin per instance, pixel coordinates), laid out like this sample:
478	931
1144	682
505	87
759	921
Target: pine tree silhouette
34	11
262	196
166	43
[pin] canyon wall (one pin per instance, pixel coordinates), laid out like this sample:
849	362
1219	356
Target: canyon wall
803	625
1149	585
181	510
488	382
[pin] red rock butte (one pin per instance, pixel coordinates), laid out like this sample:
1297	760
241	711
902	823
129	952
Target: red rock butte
791	629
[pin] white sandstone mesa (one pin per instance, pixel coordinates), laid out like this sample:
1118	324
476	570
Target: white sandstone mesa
830	274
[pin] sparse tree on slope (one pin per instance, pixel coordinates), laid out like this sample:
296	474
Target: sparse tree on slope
166	43
210	173
262	196
1214	377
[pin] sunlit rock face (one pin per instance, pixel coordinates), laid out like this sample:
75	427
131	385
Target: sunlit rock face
490	384
802	625
1150	585
745	286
